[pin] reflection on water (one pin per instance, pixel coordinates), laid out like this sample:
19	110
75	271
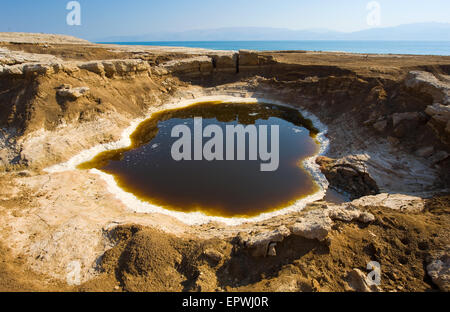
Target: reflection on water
219	188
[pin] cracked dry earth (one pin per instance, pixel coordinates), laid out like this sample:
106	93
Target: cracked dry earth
389	132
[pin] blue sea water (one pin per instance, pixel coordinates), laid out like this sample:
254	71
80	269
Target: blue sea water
378	47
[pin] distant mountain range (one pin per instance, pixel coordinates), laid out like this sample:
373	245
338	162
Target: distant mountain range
420	32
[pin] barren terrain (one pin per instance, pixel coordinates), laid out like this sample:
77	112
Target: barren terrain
388	120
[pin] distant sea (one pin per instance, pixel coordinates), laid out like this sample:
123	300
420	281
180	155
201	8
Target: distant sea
379	47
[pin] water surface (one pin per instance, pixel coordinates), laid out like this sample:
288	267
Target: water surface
217	188
351	46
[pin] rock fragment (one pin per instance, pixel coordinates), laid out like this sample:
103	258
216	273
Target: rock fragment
95	67
357	281
315	224
439	271
439	112
348	175
213	255
259	244
67	91
349	214
391	201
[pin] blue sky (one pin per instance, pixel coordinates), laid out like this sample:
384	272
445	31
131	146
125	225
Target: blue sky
103	18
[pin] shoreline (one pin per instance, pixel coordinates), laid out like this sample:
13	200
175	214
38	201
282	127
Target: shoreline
357	47
198	218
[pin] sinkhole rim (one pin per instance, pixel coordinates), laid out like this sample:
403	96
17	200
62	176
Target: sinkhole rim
137	205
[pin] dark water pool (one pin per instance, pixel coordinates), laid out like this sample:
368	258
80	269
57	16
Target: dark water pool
216	187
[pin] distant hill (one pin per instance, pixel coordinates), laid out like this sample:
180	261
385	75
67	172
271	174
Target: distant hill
16	37
422	32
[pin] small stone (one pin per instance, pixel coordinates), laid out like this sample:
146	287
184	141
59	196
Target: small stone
73	93
366	217
272	252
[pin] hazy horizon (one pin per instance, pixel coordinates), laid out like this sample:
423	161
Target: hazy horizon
102	19
409	32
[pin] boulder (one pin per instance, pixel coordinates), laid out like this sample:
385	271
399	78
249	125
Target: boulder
439	271
191	66
38	69
67	91
248	58
259	243
95	67
347	177
391	201
225	63
428	83
130	66
70	67
14	70
123	67
315	224
110	68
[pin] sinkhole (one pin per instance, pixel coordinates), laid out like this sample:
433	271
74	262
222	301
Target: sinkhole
221	159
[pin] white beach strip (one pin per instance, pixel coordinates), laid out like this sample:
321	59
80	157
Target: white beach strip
197	218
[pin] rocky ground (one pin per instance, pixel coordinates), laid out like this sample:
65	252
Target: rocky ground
388	120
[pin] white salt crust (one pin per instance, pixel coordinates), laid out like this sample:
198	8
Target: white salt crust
196	218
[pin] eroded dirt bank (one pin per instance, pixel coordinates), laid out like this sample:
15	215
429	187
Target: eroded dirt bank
389	131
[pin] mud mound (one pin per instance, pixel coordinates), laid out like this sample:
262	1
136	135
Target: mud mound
403	243
144	260
147	260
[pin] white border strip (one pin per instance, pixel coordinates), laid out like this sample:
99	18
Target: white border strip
197	218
